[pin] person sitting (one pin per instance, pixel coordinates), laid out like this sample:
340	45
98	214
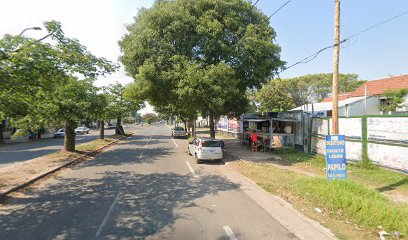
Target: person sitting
255	142
275	128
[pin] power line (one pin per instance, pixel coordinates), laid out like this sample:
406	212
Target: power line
378	24
286	3
255	3
314	55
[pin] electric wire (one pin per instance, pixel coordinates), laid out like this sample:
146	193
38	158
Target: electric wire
344	40
286	3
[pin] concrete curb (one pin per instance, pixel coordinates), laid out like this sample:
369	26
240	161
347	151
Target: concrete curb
3	195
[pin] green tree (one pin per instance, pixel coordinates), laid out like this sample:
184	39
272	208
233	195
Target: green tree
285	94
150	117
73	102
121	100
393	99
170	40
33	71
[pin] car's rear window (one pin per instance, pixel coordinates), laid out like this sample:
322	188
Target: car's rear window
179	129
211	144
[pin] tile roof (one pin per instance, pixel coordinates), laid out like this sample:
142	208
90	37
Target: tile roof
342	96
375	87
378	87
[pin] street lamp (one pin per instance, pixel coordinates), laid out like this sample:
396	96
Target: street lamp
31	28
5	55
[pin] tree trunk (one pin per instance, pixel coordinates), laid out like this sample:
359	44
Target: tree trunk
69	140
1	131
101	129
119	128
212	129
194	128
185	125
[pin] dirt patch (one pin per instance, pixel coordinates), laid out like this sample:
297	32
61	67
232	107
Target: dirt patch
19	174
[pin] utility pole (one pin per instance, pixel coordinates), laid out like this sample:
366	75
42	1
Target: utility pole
336	53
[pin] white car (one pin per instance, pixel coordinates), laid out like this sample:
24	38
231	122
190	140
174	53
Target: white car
206	149
81	130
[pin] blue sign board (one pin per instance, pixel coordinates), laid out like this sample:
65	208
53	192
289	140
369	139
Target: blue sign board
336	157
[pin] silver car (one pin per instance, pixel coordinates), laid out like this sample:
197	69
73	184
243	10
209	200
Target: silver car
60	133
206	149
178	132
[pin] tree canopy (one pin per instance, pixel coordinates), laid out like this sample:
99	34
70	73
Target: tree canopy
37	84
284	94
190	56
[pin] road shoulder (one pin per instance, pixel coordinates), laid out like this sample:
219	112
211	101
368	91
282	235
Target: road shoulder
279	209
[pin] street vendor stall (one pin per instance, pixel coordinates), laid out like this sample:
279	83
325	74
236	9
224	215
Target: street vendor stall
275	129
261	124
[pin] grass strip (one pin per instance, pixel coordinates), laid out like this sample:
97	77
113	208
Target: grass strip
374	176
94	145
343	200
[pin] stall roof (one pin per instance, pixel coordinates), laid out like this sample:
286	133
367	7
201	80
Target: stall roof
285	120
255	119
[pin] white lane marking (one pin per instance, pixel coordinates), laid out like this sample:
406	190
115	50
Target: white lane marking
145	146
191	169
105	219
229	232
174	142
148	142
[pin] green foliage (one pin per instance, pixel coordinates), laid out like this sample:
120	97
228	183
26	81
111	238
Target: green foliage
394	99
149	117
37	87
121	100
190	56
285	94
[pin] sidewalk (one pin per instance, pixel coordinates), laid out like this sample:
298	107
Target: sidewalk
234	148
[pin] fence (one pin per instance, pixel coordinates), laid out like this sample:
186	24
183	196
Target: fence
384	139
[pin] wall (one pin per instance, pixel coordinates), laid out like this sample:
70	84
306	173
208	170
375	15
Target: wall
386	139
358	108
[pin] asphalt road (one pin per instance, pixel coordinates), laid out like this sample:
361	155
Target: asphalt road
12	153
146	187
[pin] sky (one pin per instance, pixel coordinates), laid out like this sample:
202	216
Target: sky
303	27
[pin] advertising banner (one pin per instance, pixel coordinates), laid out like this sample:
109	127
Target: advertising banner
336	157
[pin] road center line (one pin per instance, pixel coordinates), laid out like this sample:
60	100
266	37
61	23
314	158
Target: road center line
229	232
148	142
105	219
191	169
175	142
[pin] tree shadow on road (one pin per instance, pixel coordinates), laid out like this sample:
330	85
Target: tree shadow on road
74	208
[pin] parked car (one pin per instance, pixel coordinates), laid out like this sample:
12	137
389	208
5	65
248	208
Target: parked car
206	149
178	132
60	133
81	130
